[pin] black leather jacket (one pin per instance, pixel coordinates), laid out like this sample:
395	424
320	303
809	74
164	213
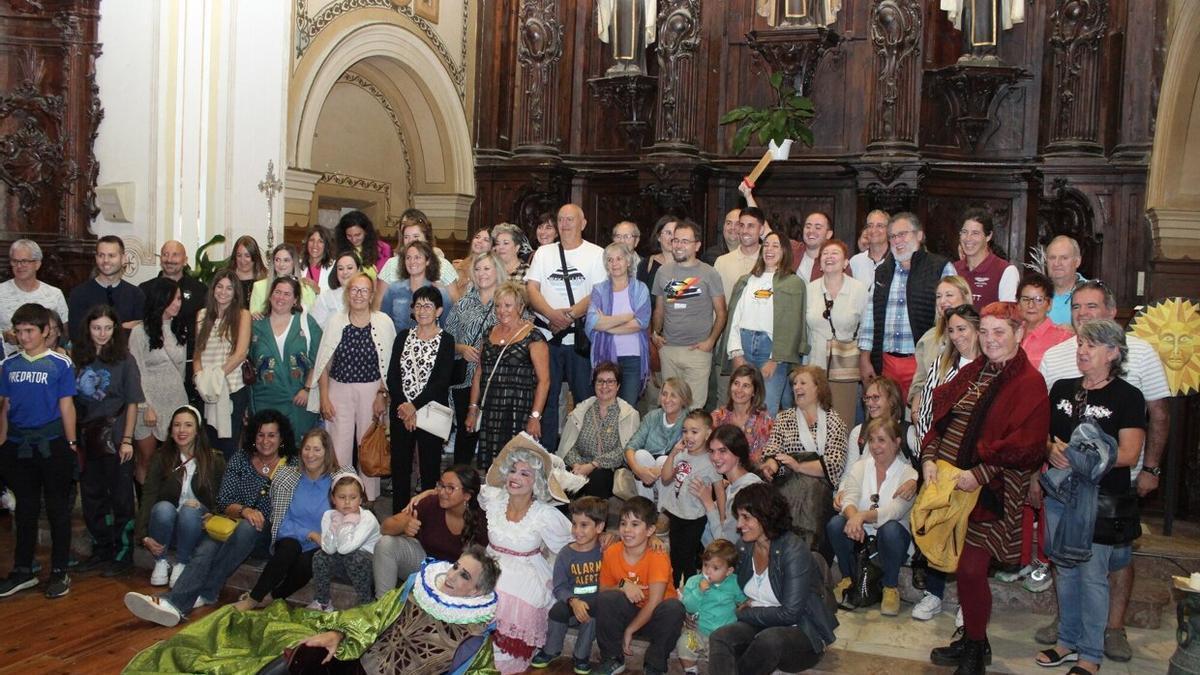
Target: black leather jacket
798	583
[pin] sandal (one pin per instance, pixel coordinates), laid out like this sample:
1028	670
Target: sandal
1080	670
1054	659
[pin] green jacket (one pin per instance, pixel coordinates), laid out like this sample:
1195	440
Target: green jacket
790	331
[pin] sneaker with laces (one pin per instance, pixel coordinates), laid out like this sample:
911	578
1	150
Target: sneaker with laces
1009	577
928	607
16	582
1039	578
583	667
161	574
176	572
60	585
152	609
890	605
542	659
609	666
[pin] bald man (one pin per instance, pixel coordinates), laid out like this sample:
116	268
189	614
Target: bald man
173	264
575	264
1063	258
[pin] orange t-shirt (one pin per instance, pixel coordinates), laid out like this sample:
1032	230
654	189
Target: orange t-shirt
654	567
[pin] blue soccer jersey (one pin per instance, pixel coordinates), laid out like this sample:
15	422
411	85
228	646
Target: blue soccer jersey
34	386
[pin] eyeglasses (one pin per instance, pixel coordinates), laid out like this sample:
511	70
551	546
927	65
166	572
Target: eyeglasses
606	381
424	306
446	486
875	501
897	236
871	398
21	261
359	290
1032	300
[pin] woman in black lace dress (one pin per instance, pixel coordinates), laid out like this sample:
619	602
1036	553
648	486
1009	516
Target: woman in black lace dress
508	391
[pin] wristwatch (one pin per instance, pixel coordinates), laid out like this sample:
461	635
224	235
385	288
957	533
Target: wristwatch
535	415
1155	471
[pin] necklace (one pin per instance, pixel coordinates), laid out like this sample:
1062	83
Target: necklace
266	468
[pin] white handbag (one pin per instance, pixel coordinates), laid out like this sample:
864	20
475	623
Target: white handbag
435	418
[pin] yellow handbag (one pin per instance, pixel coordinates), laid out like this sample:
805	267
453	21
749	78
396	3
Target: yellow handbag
220	528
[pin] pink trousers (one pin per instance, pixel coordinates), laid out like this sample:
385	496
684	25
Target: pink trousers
352	416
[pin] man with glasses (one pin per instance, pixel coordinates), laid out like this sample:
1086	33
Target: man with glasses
107	287
1063	258
818	229
578	265
902	304
691	315
862	265
628	233
25	256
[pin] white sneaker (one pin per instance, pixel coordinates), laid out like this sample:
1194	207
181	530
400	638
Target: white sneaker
154	610
8	500
161	574
958	620
201	602
176	571
929	607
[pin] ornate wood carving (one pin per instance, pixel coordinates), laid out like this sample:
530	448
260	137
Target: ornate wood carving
796	52
1067	211
629	96
1077	29
32	157
678	40
896	27
973	94
539	49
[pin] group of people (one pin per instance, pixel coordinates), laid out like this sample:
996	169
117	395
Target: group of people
248	399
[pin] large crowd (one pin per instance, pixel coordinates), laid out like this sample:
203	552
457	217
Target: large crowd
768	413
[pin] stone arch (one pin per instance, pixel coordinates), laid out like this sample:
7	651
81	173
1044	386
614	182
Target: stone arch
1173	190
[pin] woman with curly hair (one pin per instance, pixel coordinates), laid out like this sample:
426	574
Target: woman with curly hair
355	232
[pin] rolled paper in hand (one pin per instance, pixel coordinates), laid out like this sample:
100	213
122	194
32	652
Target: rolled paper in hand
773	152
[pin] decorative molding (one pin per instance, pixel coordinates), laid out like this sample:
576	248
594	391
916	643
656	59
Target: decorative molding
629	96
896	30
678	40
539	49
357	183
307	29
358	80
973	94
796	52
1077	29
33	157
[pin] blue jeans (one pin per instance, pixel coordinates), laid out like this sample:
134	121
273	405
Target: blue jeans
1083	592
183	525
935	582
756	349
213	562
565	364
631	378
892	540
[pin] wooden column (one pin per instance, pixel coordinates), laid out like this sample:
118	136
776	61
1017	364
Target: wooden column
894	109
539	50
1077	29
676	107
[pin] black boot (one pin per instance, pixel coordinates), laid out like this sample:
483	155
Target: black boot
972	662
952	654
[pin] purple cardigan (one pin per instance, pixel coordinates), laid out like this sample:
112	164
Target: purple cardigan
603	344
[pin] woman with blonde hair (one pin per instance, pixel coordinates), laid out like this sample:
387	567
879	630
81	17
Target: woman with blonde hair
951	292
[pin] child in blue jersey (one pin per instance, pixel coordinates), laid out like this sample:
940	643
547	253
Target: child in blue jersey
37	447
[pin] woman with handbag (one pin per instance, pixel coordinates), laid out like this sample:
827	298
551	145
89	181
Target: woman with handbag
473	317
762	329
658	432
807	453
991	421
160	350
241	528
283	346
351	371
1100	397
222	342
951	292
108	390
874	505
419	376
836	306
513	355
618	318
597	432
746	411
181	488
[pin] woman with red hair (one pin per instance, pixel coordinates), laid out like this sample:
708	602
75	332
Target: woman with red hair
996	454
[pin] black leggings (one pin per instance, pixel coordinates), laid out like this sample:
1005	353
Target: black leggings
286	572
685	546
429	461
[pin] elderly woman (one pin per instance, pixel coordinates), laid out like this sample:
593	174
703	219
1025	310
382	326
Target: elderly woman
420	372
807	452
659	431
511	246
245	500
730	456
786	623
329	303
248	266
351	371
1035	295
836	304
299	496
438	524
420	270
283	347
181	487
473	317
597	432
951	292
285	263
617	319
882	399
761	329
355	232
990	423
875	504
513	354
746	411
316	264
1102	398
990	276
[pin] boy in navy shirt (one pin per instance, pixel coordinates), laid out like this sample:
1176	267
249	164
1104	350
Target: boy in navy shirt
37	447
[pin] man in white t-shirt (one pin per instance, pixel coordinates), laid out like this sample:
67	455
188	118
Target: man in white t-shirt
862	265
25	256
1144	370
818	229
546	283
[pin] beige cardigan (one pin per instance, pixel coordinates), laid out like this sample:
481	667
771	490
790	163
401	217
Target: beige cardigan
383	334
627	424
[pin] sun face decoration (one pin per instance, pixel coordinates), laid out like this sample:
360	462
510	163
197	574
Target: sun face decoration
1172	327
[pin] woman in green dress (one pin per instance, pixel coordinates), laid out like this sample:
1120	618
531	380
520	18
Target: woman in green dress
283	347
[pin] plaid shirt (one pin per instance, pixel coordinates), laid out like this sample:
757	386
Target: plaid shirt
898	336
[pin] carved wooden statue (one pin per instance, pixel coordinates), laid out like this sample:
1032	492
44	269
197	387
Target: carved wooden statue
629	26
798	13
981	22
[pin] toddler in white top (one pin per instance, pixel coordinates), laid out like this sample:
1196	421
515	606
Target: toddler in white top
348	536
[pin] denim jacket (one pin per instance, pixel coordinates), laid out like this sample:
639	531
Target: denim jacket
1092	453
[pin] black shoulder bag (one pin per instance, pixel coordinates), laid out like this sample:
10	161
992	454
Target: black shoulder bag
583	343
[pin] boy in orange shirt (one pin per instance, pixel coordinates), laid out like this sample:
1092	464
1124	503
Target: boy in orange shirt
637	595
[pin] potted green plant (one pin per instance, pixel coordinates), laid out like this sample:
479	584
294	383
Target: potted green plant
206	269
787	120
